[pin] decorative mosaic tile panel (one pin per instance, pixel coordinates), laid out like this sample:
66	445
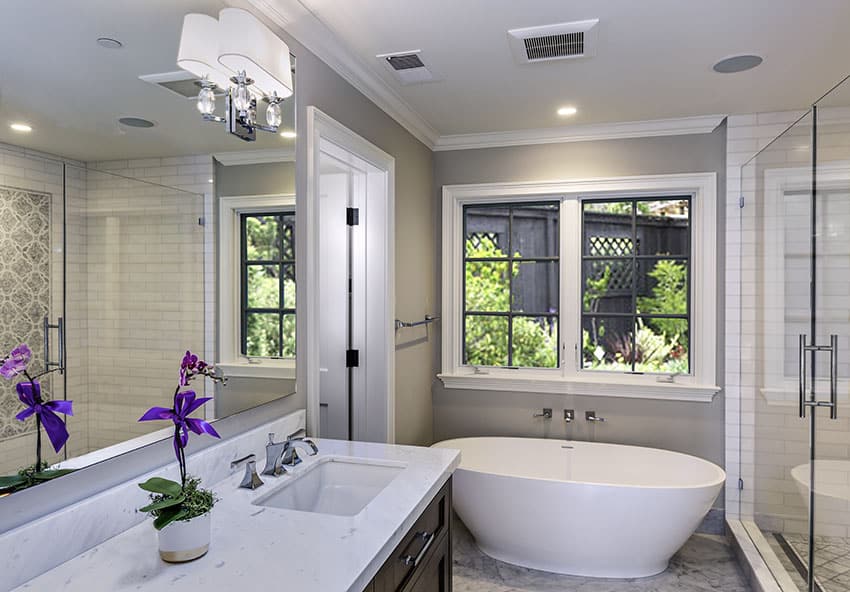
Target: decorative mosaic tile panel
24	288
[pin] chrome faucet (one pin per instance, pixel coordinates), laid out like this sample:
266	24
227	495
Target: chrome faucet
591	416
546	414
251	480
280	454
290	451
569	415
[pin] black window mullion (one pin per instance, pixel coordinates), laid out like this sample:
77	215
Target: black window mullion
510	286
634	283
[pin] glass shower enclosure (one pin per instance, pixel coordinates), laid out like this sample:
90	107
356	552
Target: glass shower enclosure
795	348
102	275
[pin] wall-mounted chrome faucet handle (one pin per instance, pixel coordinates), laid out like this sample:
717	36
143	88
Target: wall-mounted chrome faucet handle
591	416
545	414
274	457
569	415
251	480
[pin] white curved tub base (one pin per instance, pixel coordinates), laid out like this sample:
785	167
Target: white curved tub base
587	509
507	557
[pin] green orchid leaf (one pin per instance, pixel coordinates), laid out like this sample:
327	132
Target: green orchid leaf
168	516
164	503
11	482
48	475
164	486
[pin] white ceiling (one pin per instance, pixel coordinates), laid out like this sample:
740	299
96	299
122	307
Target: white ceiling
54	76
654	58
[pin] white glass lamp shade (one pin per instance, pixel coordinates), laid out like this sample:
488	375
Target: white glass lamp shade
246	44
198	51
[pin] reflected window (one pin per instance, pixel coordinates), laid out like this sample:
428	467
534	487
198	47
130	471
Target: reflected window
267	286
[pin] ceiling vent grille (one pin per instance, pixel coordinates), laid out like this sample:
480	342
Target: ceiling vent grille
181	83
554	42
405	62
408	67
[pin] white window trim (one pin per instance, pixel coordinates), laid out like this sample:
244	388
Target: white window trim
569	379
231	361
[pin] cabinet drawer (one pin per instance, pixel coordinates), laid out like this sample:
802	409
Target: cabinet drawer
418	545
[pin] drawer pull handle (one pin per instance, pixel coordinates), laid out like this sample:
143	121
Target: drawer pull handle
428	537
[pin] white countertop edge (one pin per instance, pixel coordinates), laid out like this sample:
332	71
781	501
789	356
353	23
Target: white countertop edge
372	569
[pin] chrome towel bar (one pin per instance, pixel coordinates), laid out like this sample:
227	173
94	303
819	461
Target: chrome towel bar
426	321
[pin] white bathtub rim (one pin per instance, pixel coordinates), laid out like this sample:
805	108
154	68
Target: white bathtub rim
718	481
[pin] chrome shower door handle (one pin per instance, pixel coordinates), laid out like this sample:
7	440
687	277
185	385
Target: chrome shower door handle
60	329
833	376
802	376
60	326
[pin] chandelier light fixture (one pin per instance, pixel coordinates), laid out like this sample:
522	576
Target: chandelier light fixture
239	55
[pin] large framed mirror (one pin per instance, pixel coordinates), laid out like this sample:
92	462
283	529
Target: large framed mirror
114	256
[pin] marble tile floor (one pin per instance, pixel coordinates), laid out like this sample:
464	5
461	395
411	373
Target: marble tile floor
832	560
705	563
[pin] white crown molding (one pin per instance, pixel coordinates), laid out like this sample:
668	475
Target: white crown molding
704	124
255	156
299	22
302	24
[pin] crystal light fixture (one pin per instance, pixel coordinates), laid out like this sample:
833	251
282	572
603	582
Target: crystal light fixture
245	59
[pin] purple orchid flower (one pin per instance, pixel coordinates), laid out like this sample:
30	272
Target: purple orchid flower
190	367
30	395
16	362
184	404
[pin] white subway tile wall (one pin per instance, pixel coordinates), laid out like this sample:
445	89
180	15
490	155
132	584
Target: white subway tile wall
140	280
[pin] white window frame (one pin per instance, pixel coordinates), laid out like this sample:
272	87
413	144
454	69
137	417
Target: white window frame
570	378
231	361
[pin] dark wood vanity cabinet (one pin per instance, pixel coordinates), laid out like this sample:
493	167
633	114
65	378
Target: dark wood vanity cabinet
422	561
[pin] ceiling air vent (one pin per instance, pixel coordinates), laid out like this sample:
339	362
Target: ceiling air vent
554	42
408	67
181	83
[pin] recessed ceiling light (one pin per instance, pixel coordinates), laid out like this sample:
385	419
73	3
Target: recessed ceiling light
136	122
21	127
288	134
566	111
109	43
738	63
209	180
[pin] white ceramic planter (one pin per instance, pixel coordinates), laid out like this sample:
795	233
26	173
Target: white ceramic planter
183	541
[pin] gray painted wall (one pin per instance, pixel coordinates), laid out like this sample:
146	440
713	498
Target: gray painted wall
254	179
694	428
416	247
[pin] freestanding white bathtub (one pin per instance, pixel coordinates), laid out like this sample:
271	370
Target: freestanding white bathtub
581	508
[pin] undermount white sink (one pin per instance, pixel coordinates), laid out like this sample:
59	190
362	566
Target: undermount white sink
342	486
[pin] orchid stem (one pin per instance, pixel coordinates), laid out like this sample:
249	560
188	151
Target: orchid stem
37	444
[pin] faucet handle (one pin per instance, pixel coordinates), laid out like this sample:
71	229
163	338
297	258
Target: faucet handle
271	438
545	414
591	416
251	480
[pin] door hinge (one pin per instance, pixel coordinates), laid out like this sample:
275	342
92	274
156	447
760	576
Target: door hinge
202	222
741	201
740	484
352	358
352	216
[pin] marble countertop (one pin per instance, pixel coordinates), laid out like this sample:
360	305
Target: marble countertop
262	548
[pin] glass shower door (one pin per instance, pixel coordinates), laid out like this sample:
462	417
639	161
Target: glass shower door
829	498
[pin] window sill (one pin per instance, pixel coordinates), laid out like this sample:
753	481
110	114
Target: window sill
610	387
281	370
